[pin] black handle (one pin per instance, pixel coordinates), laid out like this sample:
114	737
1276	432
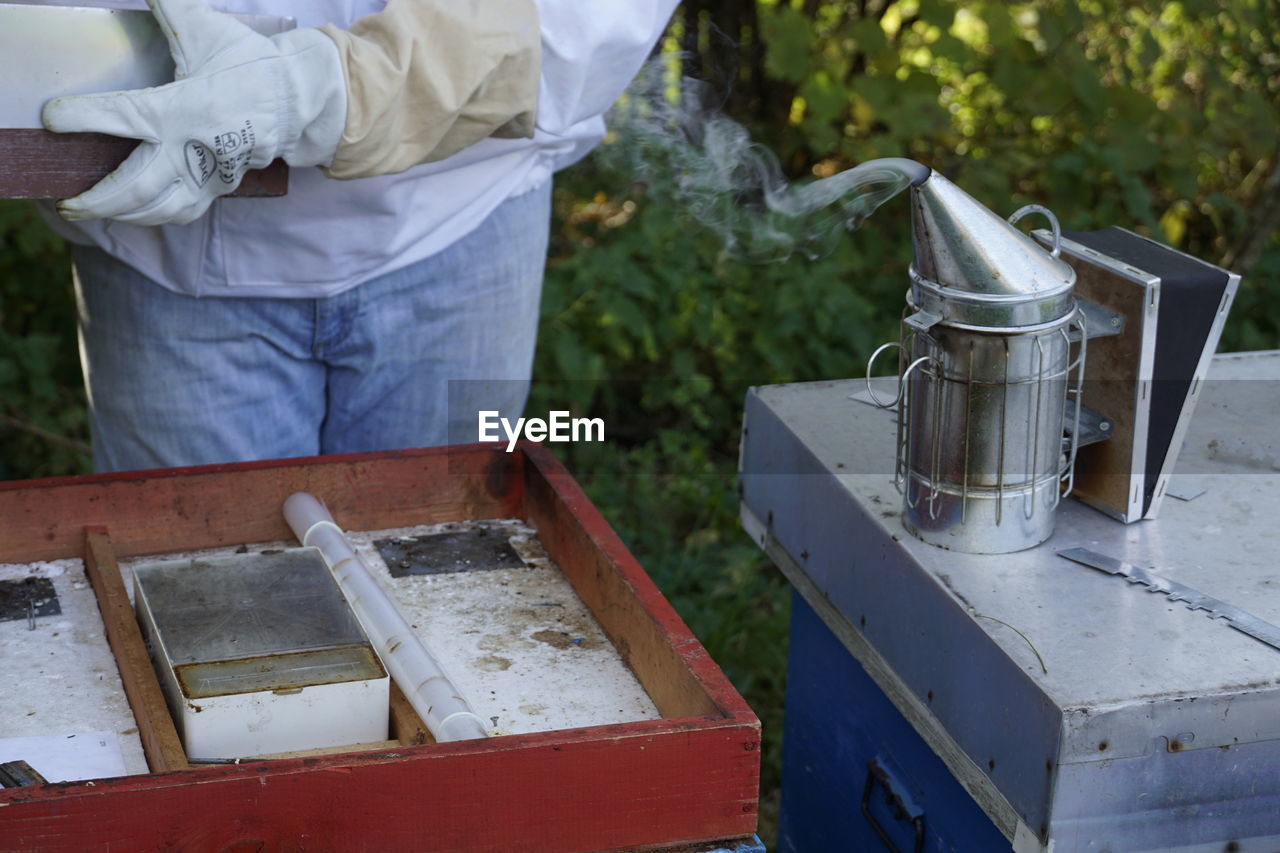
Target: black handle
902	808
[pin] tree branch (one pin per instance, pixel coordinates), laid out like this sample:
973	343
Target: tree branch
44	434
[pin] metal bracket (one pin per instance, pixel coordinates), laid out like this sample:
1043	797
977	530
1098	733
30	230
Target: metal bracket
923	321
1098	322
1094	427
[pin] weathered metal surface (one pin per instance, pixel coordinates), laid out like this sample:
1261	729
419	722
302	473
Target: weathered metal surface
209	610
1100	718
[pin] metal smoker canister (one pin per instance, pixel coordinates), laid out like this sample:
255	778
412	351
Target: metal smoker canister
990	343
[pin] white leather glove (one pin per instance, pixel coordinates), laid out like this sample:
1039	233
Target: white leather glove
239	101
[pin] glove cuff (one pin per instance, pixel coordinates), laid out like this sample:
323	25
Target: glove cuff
313	108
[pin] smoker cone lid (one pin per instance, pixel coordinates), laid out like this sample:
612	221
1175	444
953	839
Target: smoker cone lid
965	252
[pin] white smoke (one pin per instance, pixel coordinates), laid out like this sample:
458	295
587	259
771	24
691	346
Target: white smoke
669	133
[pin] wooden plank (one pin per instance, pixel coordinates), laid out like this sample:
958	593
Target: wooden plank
628	787
668	660
406	726
35	163
160	739
154	512
1103	474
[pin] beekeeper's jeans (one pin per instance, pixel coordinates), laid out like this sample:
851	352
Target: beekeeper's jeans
404	360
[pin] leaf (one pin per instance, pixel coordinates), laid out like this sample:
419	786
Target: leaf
1084	80
936	13
826	100
788	37
868	37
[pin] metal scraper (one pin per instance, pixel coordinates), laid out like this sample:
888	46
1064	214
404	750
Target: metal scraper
1245	623
52	50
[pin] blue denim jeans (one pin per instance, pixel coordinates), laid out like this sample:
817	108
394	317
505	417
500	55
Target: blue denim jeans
175	380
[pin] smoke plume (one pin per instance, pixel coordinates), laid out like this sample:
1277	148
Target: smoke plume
669	133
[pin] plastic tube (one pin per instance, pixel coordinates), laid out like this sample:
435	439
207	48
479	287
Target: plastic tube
416	671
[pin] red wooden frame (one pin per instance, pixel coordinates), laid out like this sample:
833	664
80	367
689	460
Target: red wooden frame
691	775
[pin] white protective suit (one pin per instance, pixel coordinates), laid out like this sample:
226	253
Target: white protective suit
329	235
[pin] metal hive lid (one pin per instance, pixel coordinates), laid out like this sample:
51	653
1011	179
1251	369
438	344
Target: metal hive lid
963	246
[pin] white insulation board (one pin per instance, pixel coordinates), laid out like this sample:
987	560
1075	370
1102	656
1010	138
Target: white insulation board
60	681
518	643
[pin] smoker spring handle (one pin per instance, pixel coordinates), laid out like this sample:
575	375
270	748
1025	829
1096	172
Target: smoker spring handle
1048	214
902	379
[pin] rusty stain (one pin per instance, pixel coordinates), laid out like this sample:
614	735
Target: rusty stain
565	640
493	663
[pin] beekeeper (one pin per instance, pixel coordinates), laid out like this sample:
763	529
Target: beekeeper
395	289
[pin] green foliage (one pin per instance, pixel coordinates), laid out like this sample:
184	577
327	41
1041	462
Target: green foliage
43	427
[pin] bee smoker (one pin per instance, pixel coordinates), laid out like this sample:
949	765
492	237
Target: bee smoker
991	359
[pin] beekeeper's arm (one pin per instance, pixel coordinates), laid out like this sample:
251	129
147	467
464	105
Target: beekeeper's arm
416	82
427	78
